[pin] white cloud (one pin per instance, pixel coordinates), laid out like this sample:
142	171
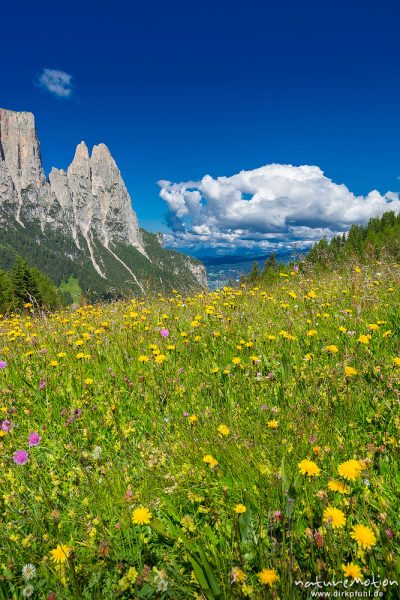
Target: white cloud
56	82
266	208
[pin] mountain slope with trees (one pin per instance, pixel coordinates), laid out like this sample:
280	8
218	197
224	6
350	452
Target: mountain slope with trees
379	238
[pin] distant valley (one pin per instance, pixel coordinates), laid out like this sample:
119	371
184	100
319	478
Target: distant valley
222	270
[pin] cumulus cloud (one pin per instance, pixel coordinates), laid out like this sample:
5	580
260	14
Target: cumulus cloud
56	82
266	208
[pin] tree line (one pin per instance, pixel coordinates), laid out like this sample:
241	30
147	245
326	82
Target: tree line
377	240
25	287
380	238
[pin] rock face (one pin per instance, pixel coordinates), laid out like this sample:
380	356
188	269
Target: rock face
93	198
88	205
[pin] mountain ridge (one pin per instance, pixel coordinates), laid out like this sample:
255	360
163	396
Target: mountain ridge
83	213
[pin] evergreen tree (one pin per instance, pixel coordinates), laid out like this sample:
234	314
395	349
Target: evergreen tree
271	263
49	296
6	294
255	273
24	284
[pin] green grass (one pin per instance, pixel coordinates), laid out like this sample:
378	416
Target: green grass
72	287
127	417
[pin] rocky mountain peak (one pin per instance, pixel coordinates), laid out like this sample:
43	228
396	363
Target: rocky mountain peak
80	164
90	198
88	203
81	153
21	165
20	148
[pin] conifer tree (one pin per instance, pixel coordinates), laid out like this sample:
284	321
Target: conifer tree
255	273
6	294
24	284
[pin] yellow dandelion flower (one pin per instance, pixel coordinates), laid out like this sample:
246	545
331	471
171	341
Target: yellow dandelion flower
334	517
364	536
223	430
273	424
237	575
268	577
364	339
60	554
396	361
351	469
350	371
332	349
240	509
210	460
352	570
338	486
141	516
160	358
309	467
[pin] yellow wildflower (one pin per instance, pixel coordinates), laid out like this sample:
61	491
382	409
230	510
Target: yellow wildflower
268	577
364	536
309	467
141	516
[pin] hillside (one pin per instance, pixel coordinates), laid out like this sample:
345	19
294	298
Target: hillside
379	238
80	222
234	444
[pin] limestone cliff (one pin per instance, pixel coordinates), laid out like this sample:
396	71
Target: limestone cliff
87	207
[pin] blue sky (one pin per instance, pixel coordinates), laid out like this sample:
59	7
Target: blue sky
179	90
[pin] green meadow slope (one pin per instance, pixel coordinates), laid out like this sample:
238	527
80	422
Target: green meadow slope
234	444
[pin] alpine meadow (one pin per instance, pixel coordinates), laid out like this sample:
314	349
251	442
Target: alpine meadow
231	444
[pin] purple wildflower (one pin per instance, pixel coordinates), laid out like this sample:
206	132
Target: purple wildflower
2	364
7	425
34	439
42	384
20	457
164	333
